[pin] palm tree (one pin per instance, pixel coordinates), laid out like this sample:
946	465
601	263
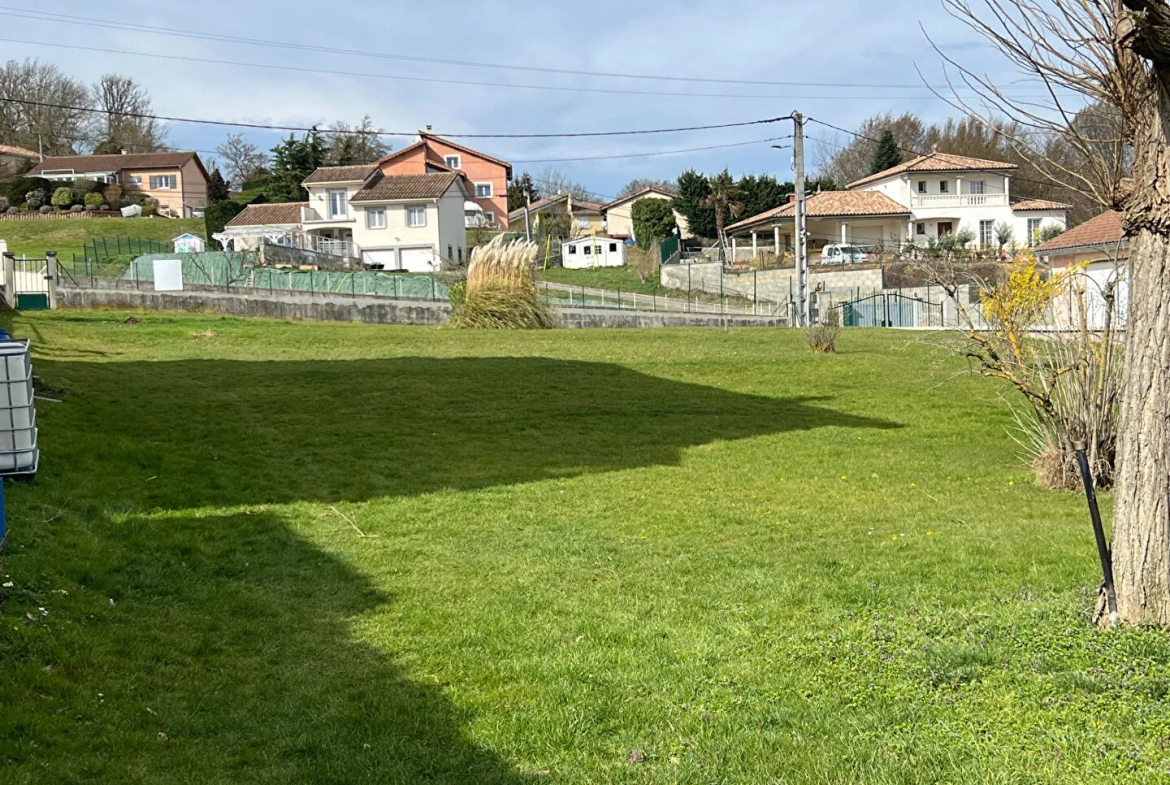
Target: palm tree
722	199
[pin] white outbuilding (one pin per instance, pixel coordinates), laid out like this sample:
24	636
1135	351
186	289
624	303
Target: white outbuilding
593	252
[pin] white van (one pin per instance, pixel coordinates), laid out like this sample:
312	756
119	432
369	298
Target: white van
844	254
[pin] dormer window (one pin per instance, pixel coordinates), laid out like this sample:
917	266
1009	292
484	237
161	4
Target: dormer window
943	187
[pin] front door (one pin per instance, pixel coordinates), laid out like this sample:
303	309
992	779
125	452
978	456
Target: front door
945	227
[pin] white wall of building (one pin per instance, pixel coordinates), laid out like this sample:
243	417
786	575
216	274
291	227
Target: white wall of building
593	252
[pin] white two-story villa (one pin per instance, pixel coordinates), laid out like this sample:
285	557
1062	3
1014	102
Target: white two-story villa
411	222
917	201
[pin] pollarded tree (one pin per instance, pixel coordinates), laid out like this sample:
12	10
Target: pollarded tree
1115	56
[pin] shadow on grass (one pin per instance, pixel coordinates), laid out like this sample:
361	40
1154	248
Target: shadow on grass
230	635
182	434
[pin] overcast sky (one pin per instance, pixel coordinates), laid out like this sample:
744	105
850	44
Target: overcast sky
829	41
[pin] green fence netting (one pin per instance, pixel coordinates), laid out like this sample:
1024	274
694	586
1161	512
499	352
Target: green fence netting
237	270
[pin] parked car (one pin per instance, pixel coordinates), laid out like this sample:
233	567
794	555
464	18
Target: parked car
844	254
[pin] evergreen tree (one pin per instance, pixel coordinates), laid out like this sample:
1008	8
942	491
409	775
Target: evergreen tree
521	191
887	155
693	188
653	219
762	193
293	160
217	188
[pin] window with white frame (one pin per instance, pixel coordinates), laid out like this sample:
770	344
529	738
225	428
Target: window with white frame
164	182
978	187
986	233
943	187
921	186
454	161
338	204
136	179
483	190
375	217
416	216
920	229
1033	232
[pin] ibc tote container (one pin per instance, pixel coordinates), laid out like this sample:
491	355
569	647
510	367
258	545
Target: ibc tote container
18	417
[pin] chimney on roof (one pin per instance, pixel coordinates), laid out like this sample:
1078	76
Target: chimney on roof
429	127
791	198
122	150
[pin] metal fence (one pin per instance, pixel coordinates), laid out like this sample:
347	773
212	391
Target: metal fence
104	248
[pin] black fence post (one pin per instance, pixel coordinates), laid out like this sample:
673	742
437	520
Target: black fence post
1103	551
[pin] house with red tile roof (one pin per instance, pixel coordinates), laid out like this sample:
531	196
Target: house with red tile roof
177	180
410	222
1099	250
917	202
15	159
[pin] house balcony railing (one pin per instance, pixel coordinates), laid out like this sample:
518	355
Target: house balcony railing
309	215
346	248
957	200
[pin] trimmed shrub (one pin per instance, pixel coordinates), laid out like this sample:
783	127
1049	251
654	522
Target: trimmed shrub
3	203
45	209
93	199
13	210
653	220
63	197
77	208
35	198
136	197
113	194
18	190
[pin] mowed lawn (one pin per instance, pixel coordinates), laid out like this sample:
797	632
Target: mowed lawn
280	553
68	236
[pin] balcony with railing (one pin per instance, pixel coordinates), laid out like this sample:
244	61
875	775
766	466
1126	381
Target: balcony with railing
309	215
958	201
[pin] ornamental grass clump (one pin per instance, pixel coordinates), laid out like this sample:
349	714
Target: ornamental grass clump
501	292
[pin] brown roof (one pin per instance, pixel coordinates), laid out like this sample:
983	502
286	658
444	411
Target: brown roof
341	174
1104	230
938	162
650	189
281	214
388	188
551	201
82	164
7	149
1031	205
831	204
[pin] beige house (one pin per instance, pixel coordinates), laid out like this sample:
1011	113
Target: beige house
1099	250
410	222
619	214
14	159
585	217
177	180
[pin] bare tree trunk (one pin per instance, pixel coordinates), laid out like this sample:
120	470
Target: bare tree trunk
1141	516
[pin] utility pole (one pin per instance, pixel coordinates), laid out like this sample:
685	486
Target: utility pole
800	225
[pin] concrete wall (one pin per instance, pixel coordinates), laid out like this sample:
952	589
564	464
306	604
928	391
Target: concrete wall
770	285
374	310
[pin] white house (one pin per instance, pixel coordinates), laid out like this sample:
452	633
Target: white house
188	243
619	214
917	201
411	222
593	252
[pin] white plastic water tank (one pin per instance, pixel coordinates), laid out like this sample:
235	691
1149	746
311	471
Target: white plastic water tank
18	416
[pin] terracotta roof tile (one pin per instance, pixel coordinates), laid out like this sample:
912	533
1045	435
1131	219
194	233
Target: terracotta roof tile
579	205
388	188
7	149
340	174
832	204
112	163
281	214
1029	205
938	162
1105	229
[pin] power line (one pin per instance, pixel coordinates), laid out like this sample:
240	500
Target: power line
649	155
23	13
464	82
360	132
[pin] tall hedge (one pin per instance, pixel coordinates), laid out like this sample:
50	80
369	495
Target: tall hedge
216	216
653	219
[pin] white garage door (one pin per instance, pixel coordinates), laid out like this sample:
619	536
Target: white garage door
380	260
418	260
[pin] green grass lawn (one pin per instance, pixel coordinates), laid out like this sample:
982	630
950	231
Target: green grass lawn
66	237
613	278
347	553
